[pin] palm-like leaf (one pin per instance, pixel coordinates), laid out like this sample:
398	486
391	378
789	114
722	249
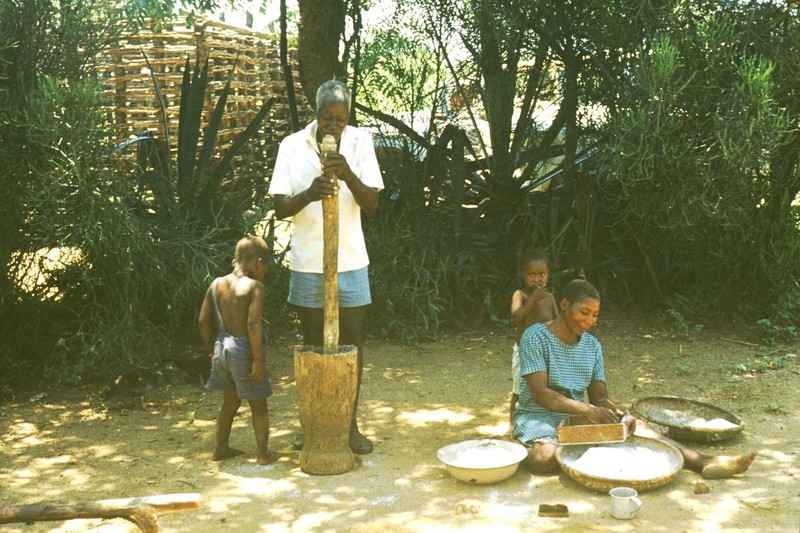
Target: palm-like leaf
162	105
193	92
210	137
224	165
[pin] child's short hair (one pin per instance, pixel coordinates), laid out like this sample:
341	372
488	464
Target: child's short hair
532	254
579	290
251	247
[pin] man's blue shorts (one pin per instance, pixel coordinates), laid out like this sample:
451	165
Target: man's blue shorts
305	289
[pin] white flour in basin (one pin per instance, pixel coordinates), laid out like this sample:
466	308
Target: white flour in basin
484	457
714	423
629	462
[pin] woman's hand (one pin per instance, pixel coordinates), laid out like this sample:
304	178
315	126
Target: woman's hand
603	415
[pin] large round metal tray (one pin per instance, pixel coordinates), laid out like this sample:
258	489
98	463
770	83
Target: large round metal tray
639	463
688	420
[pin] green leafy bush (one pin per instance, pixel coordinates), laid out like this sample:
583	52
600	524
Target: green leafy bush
139	258
784	318
688	175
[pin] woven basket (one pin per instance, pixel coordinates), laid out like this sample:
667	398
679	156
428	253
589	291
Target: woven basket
677	417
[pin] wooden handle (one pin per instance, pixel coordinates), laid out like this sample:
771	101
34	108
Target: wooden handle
330	269
330	258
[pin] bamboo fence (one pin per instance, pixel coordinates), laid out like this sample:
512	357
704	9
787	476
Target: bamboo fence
132	104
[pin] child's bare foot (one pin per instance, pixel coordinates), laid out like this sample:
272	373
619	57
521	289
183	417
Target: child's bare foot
727	466
270	457
221	455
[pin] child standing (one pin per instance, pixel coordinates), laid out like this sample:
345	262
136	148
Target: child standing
529	305
233	334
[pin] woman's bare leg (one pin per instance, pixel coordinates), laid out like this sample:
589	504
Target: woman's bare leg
710	466
541	458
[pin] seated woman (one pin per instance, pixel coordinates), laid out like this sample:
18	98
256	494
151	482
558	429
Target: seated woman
560	363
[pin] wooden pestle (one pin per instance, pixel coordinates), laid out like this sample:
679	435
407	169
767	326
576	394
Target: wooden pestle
330	259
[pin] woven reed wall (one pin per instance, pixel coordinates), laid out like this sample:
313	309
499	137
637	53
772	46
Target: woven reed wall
133	104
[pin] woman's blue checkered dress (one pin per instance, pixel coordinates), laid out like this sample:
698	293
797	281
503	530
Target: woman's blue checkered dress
570	369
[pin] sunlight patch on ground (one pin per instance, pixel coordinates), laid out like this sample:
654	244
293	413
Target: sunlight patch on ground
25	434
101	450
313	521
250	478
199	422
328	499
88	415
709	513
398	373
383	410
427	471
75	477
425	417
24	428
222	504
493	430
645	379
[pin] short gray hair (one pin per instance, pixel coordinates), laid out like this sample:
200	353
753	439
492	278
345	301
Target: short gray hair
333	91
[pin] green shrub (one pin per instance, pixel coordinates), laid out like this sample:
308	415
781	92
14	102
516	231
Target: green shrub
688	173
782	323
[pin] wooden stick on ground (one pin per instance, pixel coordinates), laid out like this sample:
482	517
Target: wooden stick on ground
739	342
141	511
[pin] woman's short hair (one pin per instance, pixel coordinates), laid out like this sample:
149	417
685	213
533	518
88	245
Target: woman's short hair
579	290
333	91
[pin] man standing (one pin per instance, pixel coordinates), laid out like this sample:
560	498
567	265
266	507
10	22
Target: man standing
298	184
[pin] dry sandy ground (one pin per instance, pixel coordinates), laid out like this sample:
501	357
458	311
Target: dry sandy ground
70	446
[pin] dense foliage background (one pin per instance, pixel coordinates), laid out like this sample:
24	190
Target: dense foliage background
651	146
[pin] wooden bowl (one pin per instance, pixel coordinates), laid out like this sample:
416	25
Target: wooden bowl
639	463
482	461
688	420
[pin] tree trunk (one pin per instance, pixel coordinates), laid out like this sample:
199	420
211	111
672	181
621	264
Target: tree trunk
287	72
319	37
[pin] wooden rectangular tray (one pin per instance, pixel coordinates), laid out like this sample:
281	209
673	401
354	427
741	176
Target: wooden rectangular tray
579	429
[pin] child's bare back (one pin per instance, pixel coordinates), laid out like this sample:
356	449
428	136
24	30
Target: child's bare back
236	295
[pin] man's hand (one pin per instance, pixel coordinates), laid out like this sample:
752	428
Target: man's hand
323	187
336	166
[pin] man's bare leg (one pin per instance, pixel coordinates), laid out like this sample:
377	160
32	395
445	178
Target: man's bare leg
351	330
